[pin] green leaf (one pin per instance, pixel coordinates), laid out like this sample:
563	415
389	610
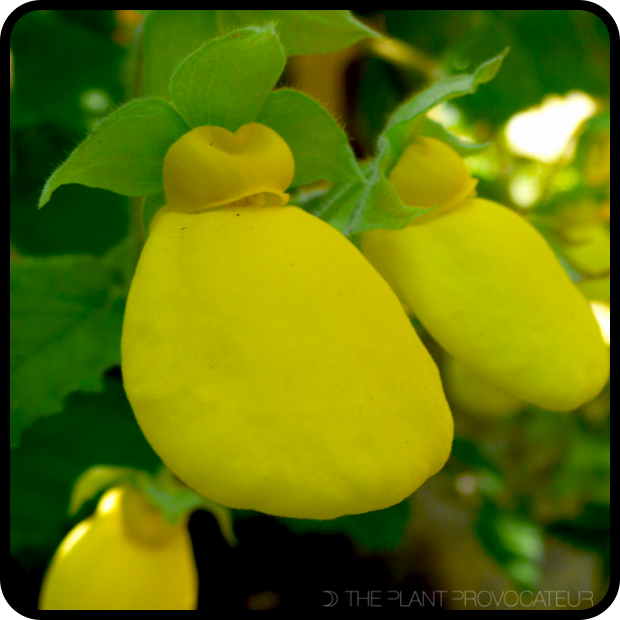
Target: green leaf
163	490
175	500
227	80
444	90
463	148
356	207
169	37
304	32
514	541
150	206
408	119
379	530
552	52
125	152
319	145
66	318
92	429
93	481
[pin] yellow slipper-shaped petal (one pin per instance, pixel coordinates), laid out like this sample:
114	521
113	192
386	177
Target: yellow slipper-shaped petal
271	367
490	290
123	557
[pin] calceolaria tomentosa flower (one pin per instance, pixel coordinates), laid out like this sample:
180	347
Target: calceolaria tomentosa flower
266	361
125	556
487	285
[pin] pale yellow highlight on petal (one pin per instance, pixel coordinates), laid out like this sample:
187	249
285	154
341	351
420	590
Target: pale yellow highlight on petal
109	501
211	166
74	536
602	313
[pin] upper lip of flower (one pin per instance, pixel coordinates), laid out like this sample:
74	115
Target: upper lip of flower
430	173
211	166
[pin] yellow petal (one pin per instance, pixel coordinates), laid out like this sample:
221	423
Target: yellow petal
431	173
211	166
273	369
100	567
490	290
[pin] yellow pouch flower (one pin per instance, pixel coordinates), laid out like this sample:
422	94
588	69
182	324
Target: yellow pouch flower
490	290
126	556
266	361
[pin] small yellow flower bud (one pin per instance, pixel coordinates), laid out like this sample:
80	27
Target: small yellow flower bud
123	557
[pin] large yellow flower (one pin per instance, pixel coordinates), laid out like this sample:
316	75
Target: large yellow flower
488	287
126	556
267	362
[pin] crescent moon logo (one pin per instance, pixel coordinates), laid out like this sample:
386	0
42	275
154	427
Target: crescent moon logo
333	599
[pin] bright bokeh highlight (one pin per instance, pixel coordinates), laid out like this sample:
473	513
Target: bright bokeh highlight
544	132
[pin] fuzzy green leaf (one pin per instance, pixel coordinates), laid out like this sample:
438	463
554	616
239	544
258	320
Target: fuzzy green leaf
356	207
124	153
226	81
319	145
305	31
408	119
169	37
151	204
66	316
463	148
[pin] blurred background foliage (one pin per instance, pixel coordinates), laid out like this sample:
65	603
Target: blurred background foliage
524	500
